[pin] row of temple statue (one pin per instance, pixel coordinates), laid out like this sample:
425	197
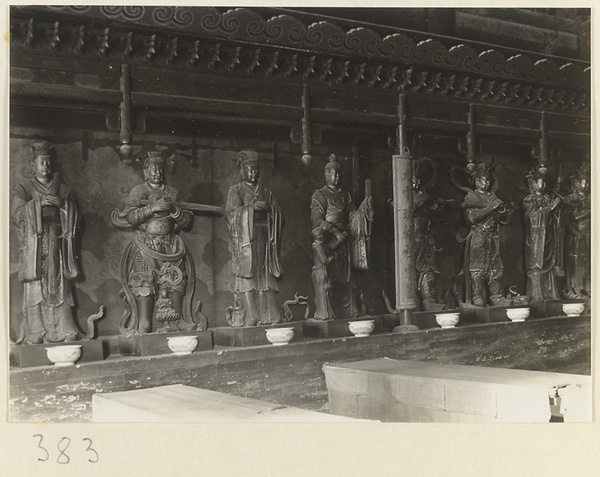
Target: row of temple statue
557	238
158	278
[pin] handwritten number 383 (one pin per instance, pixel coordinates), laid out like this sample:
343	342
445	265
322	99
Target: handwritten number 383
62	446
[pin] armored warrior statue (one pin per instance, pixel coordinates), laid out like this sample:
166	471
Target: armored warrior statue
578	241
45	214
541	234
255	223
484	212
156	272
339	233
425	247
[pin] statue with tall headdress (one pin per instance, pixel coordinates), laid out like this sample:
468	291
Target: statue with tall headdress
541	239
484	213
339	232
157	274
255	224
577	209
45	214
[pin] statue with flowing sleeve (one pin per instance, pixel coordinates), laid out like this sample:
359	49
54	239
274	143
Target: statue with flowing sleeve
157	274
255	224
339	232
577	209
45	214
541	230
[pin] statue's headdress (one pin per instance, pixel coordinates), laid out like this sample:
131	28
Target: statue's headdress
333	164
247	157
583	172
425	171
155	157
483	169
42	148
533	176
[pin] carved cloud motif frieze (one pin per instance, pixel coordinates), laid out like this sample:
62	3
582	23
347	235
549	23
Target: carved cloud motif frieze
243	24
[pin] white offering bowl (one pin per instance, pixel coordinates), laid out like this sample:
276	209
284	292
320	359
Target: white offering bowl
517	314
361	328
573	309
181	345
64	355
280	336
447	320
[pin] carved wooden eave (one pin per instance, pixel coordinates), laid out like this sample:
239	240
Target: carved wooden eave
240	43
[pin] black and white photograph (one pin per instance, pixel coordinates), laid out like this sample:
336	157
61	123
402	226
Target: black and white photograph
361	217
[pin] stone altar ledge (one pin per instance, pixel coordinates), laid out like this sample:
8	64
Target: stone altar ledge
152	344
252	335
26	356
337	328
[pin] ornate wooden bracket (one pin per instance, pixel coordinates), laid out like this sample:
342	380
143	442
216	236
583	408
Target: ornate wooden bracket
127	41
102	41
79	40
53	38
28	34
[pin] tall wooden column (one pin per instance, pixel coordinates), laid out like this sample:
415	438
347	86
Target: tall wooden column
406	281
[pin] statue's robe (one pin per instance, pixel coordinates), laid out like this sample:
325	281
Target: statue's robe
425	249
255	236
577	256
334	210
541	228
47	261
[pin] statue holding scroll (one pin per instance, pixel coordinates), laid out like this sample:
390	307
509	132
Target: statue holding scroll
255	224
541	236
45	214
340	235
484	213
578	240
156	272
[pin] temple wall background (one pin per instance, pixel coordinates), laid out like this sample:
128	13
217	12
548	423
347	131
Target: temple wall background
204	171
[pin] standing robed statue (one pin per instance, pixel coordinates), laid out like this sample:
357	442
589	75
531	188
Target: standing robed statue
542	235
578	259
255	224
340	235
45	214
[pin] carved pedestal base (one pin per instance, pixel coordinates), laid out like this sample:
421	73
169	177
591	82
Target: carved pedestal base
405	329
152	344
337	328
490	314
252	335
426	319
390	321
25	356
550	308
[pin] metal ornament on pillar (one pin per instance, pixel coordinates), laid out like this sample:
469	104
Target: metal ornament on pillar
306	127
406	298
